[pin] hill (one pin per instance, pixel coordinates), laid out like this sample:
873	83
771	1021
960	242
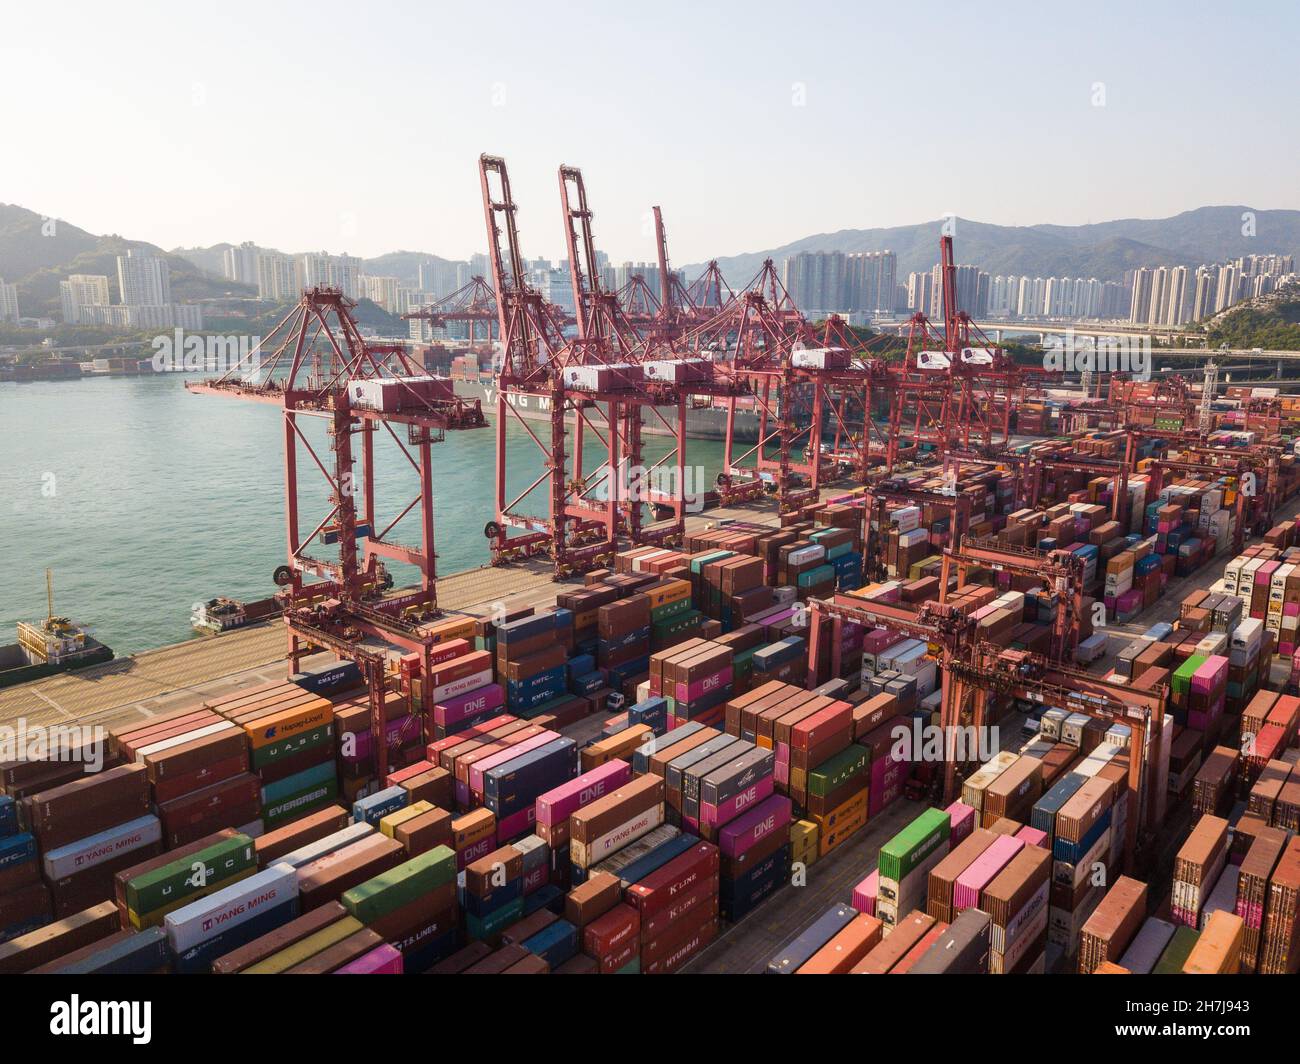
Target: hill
36	253
1104	249
1270	322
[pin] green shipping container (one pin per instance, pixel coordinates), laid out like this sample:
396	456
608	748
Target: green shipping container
1183	676
838	770
165	885
671	609
716	556
675	626
277	751
498	920
398	886
1176	953
817	576
914	844
308	800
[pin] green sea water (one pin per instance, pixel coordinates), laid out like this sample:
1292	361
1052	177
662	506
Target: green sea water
144	499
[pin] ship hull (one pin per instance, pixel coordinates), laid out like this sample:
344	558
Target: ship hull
706	423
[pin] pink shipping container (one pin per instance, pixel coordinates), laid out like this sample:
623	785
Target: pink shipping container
517	824
966	891
866	893
1032	836
555	806
962	819
713	815
382	960
768	818
399	732
700	688
878	639
458	707
1211	676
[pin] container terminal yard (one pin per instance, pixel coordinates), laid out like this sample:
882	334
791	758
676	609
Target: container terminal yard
967	669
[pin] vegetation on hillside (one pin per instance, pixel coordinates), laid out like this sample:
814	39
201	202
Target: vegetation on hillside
1271	323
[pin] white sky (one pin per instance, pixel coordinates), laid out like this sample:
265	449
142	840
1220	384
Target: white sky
357	127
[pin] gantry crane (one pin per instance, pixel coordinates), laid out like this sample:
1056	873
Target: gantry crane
1060	570
601	380
319	366
474	304
955	388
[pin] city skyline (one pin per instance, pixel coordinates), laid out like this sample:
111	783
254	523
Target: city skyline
1109	101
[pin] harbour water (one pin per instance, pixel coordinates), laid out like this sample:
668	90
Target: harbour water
144	499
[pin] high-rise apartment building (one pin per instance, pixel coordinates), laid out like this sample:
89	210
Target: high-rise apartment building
8	301
240	263
80	292
276	277
143	279
832	281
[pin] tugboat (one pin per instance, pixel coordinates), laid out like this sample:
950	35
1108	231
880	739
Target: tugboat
219	615
50	646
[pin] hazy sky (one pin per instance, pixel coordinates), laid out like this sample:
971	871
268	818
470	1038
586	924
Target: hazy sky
357	127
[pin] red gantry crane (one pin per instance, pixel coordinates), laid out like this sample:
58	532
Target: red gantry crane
600	382
319	366
474	303
955	389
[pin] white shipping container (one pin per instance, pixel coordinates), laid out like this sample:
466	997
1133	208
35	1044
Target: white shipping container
229	907
321	847
180	740
103	846
820	358
906	518
814	553
676	370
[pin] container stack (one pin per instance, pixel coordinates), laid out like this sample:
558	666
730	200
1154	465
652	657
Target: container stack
197	764
511	783
354	742
1081	840
463	694
290	736
623	641
531	661
905	863
1197	868
1110	929
1212	789
1280	953
85	832
1253	890
243	911
696	678
147	892
1017	901
24	898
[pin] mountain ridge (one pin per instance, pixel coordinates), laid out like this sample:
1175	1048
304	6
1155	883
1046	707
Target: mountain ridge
36	259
